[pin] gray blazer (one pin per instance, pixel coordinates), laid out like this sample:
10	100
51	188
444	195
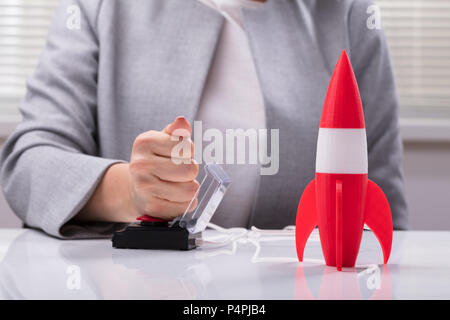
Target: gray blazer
137	64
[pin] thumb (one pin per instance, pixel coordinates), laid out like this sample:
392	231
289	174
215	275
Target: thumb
180	127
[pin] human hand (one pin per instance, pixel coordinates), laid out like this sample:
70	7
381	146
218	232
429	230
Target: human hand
162	181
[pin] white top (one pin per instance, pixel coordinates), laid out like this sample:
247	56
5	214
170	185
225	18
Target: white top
36	266
232	99
231	9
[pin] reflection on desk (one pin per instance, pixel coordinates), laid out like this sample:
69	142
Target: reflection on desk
34	265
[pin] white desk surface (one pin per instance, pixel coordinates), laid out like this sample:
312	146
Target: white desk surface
34	265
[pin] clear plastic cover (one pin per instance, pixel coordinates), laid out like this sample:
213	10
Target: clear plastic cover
212	189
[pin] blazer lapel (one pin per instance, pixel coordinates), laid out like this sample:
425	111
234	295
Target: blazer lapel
283	48
196	34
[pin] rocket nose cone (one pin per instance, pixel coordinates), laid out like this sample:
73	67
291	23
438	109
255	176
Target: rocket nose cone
342	107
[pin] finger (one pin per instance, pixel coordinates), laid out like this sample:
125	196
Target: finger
165	209
166	169
171	191
162	144
180	127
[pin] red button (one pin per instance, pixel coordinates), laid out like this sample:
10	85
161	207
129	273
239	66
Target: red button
146	218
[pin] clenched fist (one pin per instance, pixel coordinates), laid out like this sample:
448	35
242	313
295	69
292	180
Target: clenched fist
162	182
159	180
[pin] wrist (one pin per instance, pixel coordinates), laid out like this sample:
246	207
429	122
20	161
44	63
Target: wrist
128	208
119	196
112	200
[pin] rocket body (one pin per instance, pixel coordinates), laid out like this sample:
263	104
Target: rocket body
341	198
352	208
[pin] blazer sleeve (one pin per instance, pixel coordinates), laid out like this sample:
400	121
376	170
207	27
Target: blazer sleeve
371	61
50	165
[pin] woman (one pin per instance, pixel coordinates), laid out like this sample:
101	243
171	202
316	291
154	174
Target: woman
88	153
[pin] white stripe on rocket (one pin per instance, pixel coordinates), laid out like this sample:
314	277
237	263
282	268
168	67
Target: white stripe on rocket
342	151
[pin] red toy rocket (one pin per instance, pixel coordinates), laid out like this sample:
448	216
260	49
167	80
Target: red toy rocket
341	198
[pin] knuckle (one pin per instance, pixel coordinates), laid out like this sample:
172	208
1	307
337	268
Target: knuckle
147	139
152	135
139	141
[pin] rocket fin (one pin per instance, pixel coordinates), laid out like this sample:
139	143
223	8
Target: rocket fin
377	215
306	218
